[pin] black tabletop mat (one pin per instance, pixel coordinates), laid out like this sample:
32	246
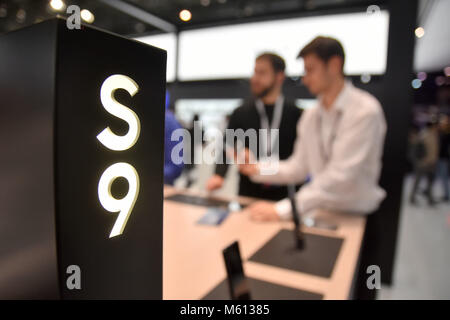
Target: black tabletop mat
317	258
199	201
262	290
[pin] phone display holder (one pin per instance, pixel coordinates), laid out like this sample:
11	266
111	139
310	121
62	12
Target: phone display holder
317	258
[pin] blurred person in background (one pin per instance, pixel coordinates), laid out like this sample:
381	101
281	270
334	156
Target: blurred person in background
267	110
171	170
425	153
443	103
340	146
444	155
192	145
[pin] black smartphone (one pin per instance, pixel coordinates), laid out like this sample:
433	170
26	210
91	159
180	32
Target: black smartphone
299	237
237	281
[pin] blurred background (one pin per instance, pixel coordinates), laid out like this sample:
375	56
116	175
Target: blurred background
211	46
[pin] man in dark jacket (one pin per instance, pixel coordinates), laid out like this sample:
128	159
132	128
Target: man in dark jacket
267	110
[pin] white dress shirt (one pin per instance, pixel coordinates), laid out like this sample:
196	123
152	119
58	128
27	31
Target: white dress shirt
341	150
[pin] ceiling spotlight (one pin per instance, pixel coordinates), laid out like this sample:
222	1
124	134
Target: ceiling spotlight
87	16
57	5
185	15
447	71
419	32
422	76
416	83
205	3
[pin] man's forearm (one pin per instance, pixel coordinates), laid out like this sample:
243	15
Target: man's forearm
284	172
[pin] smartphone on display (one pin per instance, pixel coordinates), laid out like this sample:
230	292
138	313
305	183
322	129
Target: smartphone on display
299	237
237	281
214	216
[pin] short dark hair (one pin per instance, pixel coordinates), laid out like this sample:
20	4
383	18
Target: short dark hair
275	60
324	48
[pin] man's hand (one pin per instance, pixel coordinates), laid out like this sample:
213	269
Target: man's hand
215	182
246	163
262	211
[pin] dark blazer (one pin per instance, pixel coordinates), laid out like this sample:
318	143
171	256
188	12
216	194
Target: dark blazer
247	117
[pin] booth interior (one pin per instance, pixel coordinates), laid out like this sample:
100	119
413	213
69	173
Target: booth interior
116	114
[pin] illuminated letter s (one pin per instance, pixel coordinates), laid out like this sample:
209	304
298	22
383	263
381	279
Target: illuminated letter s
107	137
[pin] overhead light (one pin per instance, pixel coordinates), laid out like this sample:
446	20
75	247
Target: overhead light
185	15
57	5
447	71
87	16
205	3
419	32
422	76
416	83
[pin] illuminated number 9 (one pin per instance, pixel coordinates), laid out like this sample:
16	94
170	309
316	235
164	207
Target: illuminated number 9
124	205
119	143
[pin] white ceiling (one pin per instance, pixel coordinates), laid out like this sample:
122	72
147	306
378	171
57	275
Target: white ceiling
432	52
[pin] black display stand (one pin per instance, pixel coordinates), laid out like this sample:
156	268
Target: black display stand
317	258
52	162
262	290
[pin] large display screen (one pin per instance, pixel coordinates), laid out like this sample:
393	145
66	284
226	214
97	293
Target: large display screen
229	51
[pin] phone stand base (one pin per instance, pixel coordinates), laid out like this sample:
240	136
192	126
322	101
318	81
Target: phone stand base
318	256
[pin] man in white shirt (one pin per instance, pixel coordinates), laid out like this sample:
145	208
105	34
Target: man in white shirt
339	143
